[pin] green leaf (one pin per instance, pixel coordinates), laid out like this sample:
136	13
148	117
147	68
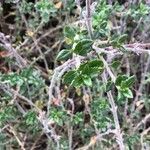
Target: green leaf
130	81
115	64
118	40
64	54
78	81
83	47
78	118
69	77
119	96
69	32
84	69
128	93
114	41
122	48
119	79
30	118
45	16
126	83
122	38
87	81
91	68
96	64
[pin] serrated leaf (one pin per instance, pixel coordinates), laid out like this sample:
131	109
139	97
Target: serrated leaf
119	79
77	82
69	77
128	93
83	47
91	67
128	82
63	55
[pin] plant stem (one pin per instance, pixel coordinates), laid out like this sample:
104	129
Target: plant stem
111	101
88	18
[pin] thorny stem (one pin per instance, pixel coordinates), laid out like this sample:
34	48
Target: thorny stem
58	73
111	101
108	69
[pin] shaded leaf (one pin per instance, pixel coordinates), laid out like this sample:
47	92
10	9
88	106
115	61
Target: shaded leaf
122	38
64	54
115	64
96	64
119	79
69	32
69	77
109	86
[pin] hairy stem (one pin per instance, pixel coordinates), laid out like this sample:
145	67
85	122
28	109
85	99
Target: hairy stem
111	101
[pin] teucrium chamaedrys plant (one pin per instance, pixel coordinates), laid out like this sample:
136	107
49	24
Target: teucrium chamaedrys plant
96	64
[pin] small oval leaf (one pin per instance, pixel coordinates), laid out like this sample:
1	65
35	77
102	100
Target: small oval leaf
83	47
69	77
64	54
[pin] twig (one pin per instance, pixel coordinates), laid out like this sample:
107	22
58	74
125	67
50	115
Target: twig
142	138
4	42
70	127
136	48
6	126
34	144
5	88
58	73
138	25
111	101
141	84
17	138
36	43
95	139
108	69
143	121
